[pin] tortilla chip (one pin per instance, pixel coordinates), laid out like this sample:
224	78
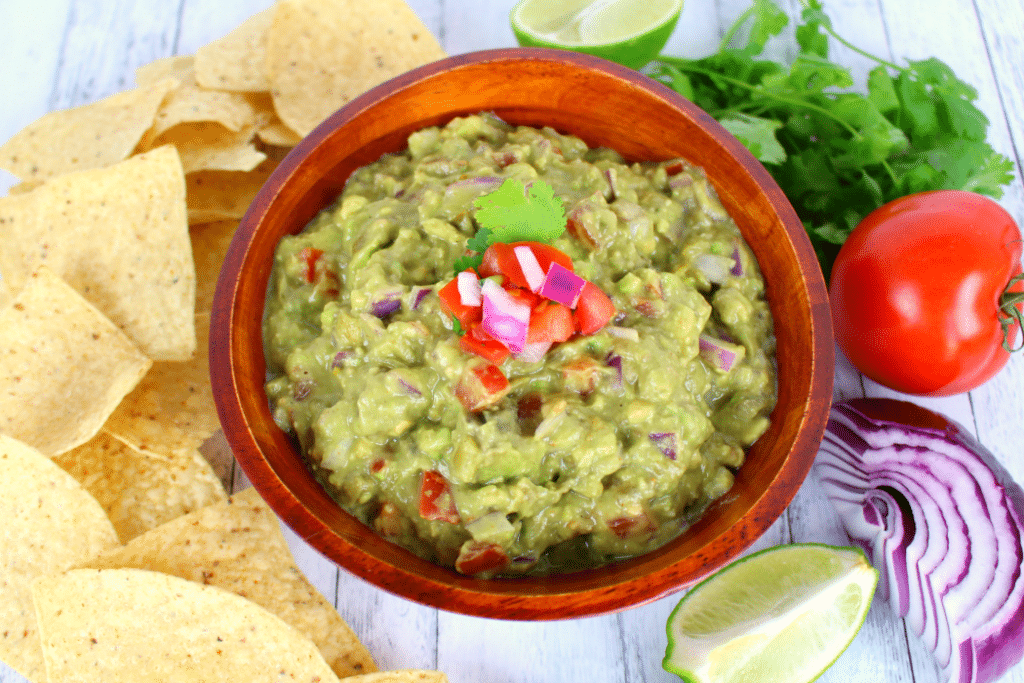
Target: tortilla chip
210	242
238	546
238	60
50	524
191	103
90	136
111	625
279	135
224	195
400	676
322	54
119	236
66	366
140	491
210	146
172	408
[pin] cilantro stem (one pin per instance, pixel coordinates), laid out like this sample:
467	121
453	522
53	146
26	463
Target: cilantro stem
827	25
684	65
731	33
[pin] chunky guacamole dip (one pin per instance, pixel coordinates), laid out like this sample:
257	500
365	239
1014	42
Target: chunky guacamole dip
602	440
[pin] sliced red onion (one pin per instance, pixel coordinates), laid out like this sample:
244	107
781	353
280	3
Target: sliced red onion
665	442
945	522
562	285
505	318
469	288
678	182
387	302
715	268
408	388
339	359
528	263
719	353
533	352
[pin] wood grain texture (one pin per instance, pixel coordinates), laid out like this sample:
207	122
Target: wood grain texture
62	52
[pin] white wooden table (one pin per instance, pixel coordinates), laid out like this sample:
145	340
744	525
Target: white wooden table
61	53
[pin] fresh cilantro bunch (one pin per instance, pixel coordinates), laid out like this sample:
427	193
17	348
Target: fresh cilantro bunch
838	154
514	213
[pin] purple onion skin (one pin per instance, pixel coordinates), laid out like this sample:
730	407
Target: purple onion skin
986	653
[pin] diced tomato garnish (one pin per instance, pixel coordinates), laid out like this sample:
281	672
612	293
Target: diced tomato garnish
550	321
451	304
522	295
480	343
436	500
481	385
593	310
500	259
674	168
477	557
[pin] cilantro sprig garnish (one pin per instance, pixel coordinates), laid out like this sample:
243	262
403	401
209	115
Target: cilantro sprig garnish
838	153
514	213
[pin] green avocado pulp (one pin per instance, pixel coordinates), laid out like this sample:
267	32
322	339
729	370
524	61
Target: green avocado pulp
610	445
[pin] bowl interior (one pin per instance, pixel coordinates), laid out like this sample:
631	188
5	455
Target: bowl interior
605	105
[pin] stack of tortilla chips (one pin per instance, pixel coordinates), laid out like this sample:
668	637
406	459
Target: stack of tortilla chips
123	550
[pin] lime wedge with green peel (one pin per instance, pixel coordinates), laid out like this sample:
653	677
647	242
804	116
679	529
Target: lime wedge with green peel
782	615
630	32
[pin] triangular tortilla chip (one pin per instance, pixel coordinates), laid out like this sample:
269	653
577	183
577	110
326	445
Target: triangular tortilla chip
224	195
323	53
191	103
238	60
119	236
140	491
115	625
238	546
50	523
90	136
65	366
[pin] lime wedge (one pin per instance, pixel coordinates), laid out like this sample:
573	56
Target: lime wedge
782	615
630	32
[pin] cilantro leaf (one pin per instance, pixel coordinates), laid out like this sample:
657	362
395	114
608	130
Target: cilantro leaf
836	152
514	212
480	241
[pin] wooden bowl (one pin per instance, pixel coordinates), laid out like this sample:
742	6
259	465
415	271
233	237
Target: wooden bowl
604	104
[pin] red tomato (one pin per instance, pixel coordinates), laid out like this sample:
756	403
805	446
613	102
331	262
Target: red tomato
915	292
436	500
593	310
451	303
500	259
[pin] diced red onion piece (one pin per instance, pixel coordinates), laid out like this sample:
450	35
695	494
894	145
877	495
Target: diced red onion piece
339	359
475	185
533	352
938	512
737	268
388	303
469	288
666	443
611	176
418	295
528	263
505	318
629	333
719	353
409	388
614	360
562	285
714	267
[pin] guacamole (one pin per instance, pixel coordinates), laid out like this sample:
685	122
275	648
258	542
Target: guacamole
605	447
